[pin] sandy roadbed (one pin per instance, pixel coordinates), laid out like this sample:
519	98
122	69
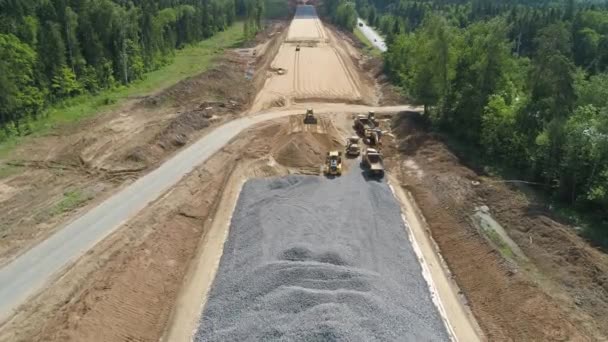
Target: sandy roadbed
315	66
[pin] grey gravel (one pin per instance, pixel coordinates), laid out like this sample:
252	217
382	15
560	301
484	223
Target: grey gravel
315	259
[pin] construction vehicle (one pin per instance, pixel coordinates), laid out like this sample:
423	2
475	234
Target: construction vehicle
373	136
371	116
372	161
333	163
310	119
361	123
352	146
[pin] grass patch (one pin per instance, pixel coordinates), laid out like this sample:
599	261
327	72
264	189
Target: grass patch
71	200
369	47
497	241
187	62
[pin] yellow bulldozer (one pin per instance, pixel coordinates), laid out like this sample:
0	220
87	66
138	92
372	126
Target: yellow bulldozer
309	117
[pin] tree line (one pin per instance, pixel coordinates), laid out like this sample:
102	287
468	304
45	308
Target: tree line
342	13
522	83
54	49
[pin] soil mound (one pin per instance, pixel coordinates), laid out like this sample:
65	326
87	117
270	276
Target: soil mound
305	146
303	149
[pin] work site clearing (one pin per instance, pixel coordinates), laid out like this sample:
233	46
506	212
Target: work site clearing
262	241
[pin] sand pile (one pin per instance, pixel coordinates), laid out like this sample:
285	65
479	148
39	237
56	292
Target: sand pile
303	146
304	149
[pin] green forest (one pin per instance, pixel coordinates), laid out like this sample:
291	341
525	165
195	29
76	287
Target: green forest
522	85
51	50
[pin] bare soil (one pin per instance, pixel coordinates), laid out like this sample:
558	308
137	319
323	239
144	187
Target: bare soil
559	295
323	70
304	147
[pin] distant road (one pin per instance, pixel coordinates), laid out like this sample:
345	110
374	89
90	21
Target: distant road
30	272
372	35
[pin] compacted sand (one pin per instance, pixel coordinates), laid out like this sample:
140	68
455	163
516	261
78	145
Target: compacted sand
306	26
320	70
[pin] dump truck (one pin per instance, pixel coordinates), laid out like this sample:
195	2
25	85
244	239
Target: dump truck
309	118
373	136
372	161
363	122
333	163
352	146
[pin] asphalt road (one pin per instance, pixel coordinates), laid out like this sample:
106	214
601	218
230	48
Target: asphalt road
372	35
28	273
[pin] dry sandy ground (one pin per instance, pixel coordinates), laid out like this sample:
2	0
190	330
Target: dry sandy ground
306	28
323	70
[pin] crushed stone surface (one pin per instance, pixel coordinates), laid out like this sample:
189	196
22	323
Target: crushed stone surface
315	259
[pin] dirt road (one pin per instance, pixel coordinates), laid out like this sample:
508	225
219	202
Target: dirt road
29	272
315	66
306	26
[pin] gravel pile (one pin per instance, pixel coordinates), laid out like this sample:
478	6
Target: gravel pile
315	259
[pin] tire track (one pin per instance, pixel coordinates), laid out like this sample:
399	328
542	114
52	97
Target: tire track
296	72
349	76
320	31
